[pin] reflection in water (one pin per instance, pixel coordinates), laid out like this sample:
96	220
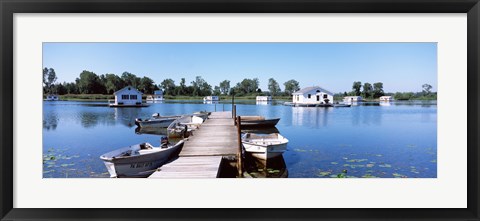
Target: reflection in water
310	116
273	168
264	102
210	102
127	115
88	119
50	121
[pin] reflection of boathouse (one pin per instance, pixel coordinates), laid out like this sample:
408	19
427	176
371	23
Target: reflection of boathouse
312	96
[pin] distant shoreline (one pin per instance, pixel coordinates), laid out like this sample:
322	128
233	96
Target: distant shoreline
105	97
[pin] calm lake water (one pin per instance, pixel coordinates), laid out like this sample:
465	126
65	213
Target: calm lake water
369	140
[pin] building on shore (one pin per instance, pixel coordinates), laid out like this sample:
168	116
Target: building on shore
264	98
386	98
352	99
312	96
127	97
157	96
210	98
51	97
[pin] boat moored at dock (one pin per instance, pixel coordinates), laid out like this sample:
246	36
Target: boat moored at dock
140	160
258	121
264	146
156	121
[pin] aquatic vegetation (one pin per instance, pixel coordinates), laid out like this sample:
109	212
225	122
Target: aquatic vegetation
397	175
369	165
333	163
385	165
433	161
324	173
369	176
356	160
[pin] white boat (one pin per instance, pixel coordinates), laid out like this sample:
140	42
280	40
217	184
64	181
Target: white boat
184	126
203	114
140	160
52	97
264	146
156	121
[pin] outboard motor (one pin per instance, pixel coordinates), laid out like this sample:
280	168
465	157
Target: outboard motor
164	142
137	120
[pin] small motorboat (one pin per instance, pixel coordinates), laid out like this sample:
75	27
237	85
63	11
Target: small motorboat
140	160
258	121
264	146
184	126
156	121
203	114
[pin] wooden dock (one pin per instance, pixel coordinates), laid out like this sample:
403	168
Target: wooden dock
203	151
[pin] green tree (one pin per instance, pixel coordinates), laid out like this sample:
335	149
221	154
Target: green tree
201	87
168	86
273	87
357	85
367	90
113	83
89	83
130	79
225	87
147	85
217	91
291	86
426	89
49	78
378	90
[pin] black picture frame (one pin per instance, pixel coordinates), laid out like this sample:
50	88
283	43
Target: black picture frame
9	7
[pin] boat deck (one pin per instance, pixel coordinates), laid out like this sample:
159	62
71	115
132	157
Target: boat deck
203	151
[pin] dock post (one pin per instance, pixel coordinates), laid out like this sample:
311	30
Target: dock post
239	152
234	112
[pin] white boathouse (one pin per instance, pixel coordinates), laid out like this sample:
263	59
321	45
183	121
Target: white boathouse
127	97
352	99
264	98
157	96
386	98
210	98
312	96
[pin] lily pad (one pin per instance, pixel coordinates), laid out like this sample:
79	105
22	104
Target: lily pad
385	165
369	165
325	173
334	163
368	176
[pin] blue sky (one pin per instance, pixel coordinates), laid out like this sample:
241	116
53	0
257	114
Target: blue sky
400	66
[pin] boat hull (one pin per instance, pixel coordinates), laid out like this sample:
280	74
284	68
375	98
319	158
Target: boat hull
155	123
260	123
140	165
265	152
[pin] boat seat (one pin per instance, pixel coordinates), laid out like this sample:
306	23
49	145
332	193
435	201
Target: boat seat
147	151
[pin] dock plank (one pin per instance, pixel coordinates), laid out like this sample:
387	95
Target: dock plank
190	167
202	153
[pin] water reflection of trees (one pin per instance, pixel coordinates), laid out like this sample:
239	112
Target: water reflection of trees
127	115
50	121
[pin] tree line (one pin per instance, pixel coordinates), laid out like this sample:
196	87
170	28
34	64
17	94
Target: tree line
90	83
369	91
